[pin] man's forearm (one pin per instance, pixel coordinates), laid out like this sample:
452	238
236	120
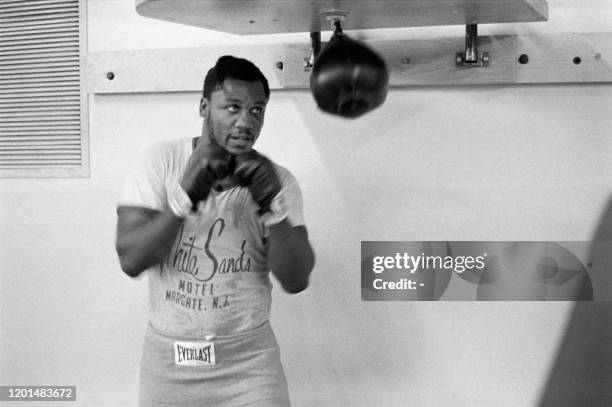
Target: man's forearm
290	256
144	238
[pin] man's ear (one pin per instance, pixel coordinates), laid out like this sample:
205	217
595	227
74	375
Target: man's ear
203	106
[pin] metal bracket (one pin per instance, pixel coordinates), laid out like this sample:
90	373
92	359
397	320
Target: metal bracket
315	48
335	17
471	57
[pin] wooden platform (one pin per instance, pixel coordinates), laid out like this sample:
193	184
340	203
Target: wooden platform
286	16
552	58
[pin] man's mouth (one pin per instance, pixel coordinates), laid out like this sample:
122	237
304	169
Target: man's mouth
241	139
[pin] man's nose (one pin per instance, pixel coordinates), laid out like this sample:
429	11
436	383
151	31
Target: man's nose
244	121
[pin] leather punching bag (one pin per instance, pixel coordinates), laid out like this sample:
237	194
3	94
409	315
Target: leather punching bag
348	79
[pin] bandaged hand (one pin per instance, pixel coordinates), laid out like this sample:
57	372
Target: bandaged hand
257	173
208	163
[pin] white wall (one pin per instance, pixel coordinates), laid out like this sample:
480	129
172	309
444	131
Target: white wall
437	163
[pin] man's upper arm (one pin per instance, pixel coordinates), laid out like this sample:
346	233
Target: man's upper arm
301	231
144	186
130	218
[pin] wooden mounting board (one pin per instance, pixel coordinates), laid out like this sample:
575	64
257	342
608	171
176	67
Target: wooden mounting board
285	16
552	59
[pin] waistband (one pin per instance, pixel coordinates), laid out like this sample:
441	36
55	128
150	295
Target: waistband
265	326
227	347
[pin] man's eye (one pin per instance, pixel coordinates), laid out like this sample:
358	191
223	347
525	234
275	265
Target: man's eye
256	110
233	108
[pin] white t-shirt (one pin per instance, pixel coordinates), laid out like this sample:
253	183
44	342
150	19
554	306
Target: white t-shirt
215	278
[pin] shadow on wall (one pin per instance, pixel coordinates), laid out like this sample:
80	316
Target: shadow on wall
582	372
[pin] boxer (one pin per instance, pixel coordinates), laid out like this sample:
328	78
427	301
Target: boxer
207	219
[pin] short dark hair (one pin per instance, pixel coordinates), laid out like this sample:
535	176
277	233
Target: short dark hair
236	68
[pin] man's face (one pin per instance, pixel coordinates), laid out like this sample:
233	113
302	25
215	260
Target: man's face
235	114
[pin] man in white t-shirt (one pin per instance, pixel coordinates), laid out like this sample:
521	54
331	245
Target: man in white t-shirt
208	218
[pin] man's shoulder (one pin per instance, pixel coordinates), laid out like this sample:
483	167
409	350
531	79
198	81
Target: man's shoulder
280	169
288	181
169	149
284	174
